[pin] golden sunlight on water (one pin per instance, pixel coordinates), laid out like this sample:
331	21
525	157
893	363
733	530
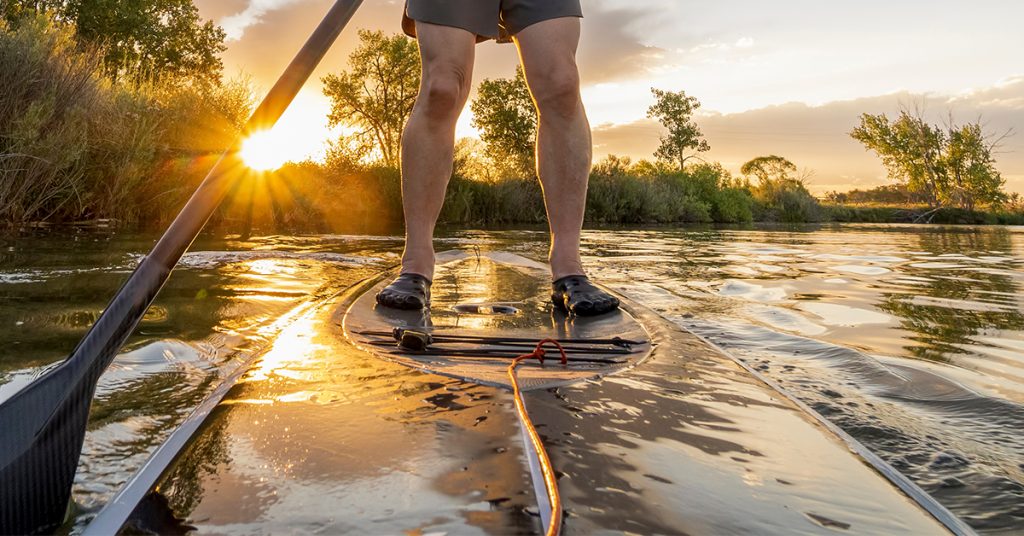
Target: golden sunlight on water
291	354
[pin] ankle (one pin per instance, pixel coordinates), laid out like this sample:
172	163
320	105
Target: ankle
418	261
565	266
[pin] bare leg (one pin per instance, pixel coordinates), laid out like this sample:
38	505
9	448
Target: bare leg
429	140
548	53
428	145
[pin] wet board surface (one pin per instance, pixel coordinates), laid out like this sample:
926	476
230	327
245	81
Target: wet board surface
485	310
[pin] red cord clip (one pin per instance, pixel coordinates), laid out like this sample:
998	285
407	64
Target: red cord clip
540	354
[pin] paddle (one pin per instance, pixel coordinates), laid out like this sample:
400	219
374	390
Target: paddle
42	427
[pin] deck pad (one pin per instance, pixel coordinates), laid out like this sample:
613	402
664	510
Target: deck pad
485	310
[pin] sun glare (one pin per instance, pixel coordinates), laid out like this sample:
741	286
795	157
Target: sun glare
299	135
262	151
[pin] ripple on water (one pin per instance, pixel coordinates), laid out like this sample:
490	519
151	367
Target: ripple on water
938	265
751	291
784	319
881	259
962	305
214	259
834	314
861	269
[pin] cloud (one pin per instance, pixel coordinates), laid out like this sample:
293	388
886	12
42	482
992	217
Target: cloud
272	31
235	25
611	46
817	137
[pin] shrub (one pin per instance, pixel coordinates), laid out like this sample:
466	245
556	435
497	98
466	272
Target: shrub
732	205
47	93
74	144
785	200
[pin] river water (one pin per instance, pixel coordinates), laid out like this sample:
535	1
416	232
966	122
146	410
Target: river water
910	338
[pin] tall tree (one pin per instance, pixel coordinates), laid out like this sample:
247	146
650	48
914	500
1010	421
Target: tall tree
504	112
947	164
377	93
140	38
769	169
674	110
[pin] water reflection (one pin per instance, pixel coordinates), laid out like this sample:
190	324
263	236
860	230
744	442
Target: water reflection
972	290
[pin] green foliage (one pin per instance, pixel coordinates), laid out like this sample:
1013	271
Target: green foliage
140	39
732	205
862	214
674	110
970	166
618	195
507	200
471	160
778	195
948	166
376	95
892	194
769	169
504	112
74	144
44	120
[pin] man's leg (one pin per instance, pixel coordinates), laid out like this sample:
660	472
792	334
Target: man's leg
548	53
429	140
428	144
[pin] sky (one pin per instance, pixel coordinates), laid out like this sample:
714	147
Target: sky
789	77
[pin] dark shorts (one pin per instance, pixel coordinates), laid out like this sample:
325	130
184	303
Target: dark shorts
488	19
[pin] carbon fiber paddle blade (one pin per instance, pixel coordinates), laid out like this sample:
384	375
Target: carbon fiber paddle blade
43	429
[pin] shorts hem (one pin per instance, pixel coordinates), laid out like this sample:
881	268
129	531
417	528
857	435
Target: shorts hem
409	26
536	20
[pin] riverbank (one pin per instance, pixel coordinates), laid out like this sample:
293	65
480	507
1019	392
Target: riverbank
318	198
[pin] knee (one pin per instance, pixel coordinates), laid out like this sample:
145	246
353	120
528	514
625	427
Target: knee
558	93
443	93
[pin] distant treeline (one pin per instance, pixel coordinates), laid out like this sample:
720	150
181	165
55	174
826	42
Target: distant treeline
331	196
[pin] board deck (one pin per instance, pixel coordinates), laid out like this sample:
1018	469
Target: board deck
485	310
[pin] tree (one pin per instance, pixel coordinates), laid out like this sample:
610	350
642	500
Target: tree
377	93
972	176
947	165
769	169
781	196
141	39
504	112
674	110
470	161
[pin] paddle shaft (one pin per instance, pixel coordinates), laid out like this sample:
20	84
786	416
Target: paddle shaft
44	423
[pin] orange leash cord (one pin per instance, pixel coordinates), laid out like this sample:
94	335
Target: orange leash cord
550	482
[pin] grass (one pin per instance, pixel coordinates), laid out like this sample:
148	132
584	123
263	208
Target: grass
75	145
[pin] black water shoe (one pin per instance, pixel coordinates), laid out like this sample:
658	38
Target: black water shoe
579	296
408	291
